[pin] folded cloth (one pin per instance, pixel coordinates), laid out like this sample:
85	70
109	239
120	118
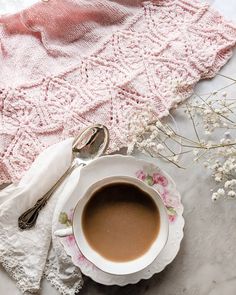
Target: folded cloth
69	63
25	254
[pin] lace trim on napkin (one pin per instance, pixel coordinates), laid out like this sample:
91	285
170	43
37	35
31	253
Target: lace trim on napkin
52	275
25	284
60	271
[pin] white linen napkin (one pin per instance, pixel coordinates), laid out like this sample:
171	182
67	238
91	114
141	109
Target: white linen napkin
26	255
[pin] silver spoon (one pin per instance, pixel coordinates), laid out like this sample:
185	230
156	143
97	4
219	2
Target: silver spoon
88	145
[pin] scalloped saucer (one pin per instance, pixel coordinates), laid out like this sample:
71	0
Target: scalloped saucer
116	165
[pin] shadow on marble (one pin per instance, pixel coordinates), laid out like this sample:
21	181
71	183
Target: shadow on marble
150	286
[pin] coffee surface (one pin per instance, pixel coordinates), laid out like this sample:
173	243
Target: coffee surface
120	221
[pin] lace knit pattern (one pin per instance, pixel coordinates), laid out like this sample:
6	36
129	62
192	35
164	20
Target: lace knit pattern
155	59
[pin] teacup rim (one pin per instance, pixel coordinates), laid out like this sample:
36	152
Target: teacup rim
142	184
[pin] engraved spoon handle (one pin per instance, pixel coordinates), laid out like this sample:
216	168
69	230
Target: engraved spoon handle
29	217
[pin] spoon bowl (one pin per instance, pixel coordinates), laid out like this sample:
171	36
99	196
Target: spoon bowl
92	143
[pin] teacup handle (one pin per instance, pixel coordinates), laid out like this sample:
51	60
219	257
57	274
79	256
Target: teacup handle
63	232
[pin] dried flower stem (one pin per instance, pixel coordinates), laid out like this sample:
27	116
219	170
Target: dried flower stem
194	125
227	77
160	139
210	107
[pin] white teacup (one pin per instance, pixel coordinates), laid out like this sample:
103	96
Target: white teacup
113	267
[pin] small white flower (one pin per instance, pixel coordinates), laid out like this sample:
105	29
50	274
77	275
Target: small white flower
221	192
169	132
232	194
175	159
142	144
215	166
130	148
218	178
207	112
160	147
152	144
153	136
216	125
208	132
233	182
218	111
229	184
214	197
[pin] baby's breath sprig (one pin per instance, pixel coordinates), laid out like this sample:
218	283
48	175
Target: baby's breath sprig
210	115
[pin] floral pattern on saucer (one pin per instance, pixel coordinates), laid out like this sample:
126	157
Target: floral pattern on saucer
146	171
153	176
69	242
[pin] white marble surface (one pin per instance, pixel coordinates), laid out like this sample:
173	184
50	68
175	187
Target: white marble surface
206	263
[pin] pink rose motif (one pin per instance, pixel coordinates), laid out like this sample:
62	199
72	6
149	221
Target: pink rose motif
159	179
172	214
70	240
172	218
141	175
164	196
169	200
82	259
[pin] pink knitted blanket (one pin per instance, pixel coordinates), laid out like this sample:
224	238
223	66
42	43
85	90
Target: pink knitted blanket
69	63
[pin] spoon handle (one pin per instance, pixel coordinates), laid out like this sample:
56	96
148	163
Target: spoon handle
29	217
